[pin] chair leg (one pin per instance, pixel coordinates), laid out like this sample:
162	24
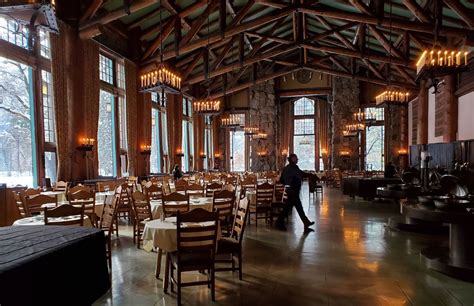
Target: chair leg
213	285
179	286
167	273
158	264
240	265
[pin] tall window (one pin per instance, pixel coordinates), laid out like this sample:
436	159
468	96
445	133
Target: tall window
112	131
159	135
374	140
237	151
304	144
188	135
23	157
208	145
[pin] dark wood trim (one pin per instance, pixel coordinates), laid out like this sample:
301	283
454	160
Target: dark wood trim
315	91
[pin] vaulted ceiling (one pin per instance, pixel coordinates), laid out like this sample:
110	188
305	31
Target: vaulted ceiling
228	45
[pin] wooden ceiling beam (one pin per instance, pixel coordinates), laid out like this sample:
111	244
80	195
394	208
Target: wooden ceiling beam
144	18
417	11
165	32
91	10
193	64
242	13
216	37
223	54
462	11
269	37
91	28
386	44
405	74
199	22
373	68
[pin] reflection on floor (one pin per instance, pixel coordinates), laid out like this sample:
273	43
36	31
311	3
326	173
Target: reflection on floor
349	259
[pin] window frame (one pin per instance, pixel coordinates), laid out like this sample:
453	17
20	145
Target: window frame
317	154
188	147
161	108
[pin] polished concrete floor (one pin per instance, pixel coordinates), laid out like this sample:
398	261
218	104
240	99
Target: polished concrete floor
351	258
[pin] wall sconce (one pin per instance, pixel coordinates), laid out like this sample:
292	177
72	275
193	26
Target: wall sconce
86	144
284	152
217	156
402	152
262	154
202	155
179	152
324	152
146	150
344	153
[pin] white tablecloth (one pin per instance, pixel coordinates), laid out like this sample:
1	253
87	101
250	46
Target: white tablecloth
100	196
60	195
252	197
39	220
194	202
164	234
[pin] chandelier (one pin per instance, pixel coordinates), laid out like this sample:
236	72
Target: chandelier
261	135
231	121
250	130
392	97
207	107
161	78
438	62
352	130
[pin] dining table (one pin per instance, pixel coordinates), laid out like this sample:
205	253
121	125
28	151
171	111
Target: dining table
60	195
194	202
39	220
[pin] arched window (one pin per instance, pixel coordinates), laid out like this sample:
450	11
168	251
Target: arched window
304	140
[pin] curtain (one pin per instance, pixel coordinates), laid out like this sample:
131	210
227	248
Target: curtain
91	92
174	113
198	128
59	71
132	118
323	130
286	125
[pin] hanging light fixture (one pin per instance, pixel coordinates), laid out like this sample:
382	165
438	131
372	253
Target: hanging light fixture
163	78
391	95
353	130
250	130
261	135
207	107
231	121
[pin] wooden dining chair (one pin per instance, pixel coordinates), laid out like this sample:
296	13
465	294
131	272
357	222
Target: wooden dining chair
22	210
79	188
154	192
105	186
174	203
196	249
233	245
263	203
125	202
61	186
223	202
180	185
26	193
195	190
33	203
212	187
62	211
108	223
86	198
142	214
279	199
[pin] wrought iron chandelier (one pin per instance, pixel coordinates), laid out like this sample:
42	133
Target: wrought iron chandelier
207	107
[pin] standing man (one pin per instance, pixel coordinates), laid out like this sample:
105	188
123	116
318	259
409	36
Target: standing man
292	176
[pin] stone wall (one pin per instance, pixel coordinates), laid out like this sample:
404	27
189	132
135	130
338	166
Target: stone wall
263	114
344	102
393	132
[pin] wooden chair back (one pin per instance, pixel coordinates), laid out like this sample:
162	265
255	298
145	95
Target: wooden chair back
195	190
265	194
212	187
240	219
33	203
28	192
223	201
154	192
84	197
105	186
180	185
174	203
65	210
197	239
22	210
61	186
279	192
141	207
124	196
109	214
79	188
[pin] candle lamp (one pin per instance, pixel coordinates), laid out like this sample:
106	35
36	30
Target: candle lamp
344	153
179	153
146	150
262	154
284	152
217	156
324	151
445	62
86	144
161	78
392	96
402	152
202	155
207	107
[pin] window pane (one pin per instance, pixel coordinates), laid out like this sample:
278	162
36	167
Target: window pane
105	139
154	97
304	106
185	146
155	158
374	148
164	130
106	69
48	107
190	107
237	151
120	75
45	46
374	113
304	126
304	147
123	124
50	165
191	138
16	143
13	32
185	107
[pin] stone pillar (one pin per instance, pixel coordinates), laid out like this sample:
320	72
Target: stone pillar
422	123
393	123
345	103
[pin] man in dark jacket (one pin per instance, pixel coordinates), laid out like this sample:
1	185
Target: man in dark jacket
292	177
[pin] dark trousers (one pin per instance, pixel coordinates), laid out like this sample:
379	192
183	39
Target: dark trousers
293	200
